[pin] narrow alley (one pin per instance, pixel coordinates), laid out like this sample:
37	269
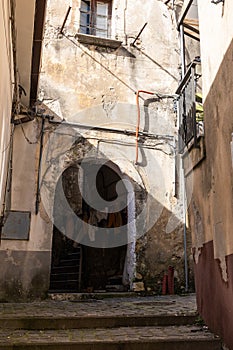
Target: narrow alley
116	174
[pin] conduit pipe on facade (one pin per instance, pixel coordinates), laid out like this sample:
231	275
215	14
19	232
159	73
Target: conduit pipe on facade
183	71
125	16
113	130
184	200
39	166
138	119
158	96
15	65
182	51
39	19
184	14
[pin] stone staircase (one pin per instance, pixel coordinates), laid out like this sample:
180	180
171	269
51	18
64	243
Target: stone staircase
104	325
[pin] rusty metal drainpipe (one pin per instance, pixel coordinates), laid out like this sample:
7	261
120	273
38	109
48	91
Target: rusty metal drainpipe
138	119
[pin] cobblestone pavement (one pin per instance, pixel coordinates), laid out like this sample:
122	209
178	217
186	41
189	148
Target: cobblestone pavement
104	337
140	306
121	334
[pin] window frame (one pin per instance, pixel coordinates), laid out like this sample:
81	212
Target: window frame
90	27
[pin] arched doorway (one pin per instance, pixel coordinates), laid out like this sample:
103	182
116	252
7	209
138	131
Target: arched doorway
76	267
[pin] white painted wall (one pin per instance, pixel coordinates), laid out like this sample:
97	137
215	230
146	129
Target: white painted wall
216	33
6	93
24	16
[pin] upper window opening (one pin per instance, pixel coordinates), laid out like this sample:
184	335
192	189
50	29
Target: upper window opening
95	18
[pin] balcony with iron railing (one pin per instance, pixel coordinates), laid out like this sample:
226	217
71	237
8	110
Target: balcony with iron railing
190	110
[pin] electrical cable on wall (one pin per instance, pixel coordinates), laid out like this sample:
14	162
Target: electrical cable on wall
25	136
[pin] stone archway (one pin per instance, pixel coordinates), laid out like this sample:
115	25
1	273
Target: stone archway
77	267
61	154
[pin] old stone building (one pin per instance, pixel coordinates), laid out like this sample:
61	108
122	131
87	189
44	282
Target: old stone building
94	198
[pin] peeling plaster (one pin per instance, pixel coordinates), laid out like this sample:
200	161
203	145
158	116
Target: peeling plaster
10	258
223	267
198	232
219	248
109	101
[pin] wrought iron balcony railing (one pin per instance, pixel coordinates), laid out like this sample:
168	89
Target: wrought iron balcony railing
189	126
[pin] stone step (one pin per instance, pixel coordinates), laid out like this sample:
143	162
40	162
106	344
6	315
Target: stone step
84	322
94	296
123	338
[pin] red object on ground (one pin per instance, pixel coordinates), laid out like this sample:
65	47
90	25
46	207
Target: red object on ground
164	286
171	280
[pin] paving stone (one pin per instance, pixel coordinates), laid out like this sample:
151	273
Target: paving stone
123	335
98	325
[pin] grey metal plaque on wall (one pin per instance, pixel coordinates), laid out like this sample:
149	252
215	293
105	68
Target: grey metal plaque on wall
17	225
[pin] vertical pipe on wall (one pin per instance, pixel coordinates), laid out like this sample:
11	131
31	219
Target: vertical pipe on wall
182	51
125	20
15	66
185	231
39	167
138	118
183	71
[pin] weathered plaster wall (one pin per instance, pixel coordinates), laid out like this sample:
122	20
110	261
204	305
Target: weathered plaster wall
6	94
159	248
91	85
24	274
211	207
78	77
24	187
26	263
96	86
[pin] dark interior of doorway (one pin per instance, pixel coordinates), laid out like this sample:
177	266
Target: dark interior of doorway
81	268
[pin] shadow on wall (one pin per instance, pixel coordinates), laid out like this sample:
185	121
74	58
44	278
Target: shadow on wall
154	248
146	249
